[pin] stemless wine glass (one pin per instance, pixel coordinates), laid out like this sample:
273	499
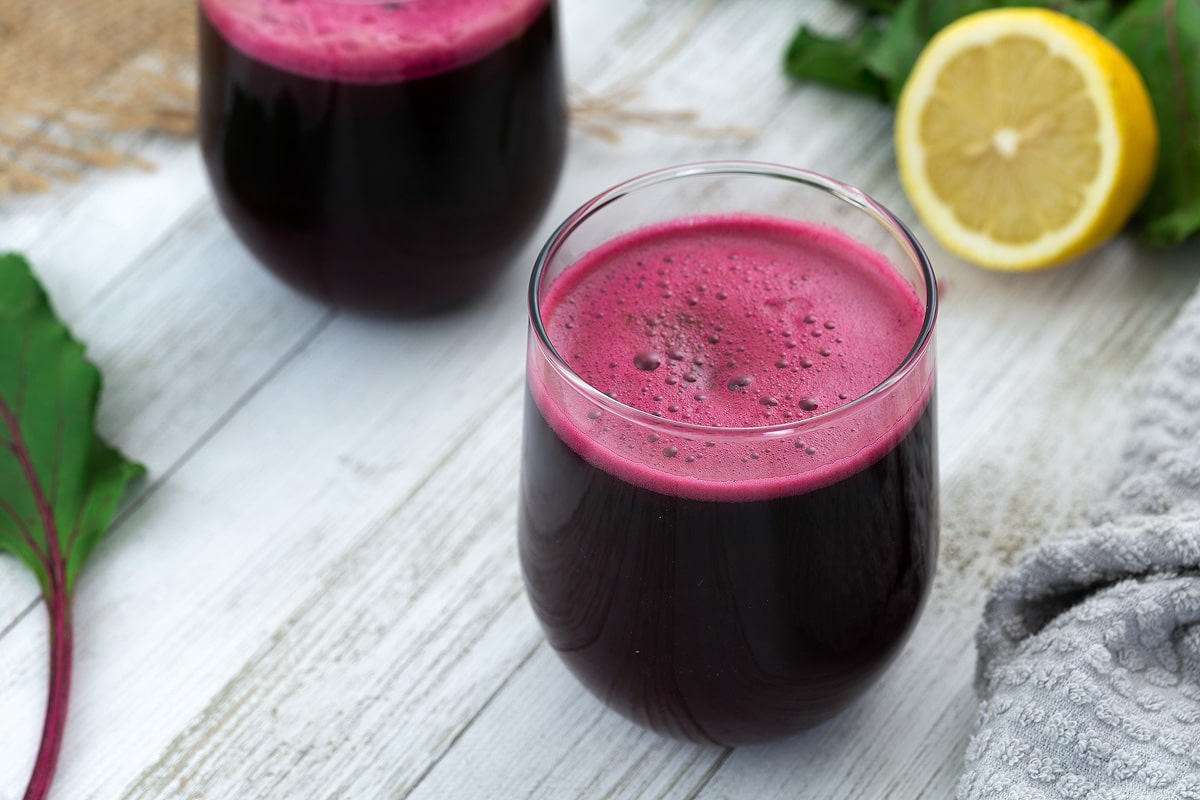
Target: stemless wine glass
380	155
728	510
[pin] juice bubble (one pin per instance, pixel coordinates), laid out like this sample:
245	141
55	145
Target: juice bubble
740	382
647	361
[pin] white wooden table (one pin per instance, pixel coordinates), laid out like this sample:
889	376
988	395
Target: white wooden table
315	592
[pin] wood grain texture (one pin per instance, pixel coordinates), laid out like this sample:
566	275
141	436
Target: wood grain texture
315	592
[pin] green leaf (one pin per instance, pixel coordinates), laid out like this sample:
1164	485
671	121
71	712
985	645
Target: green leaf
1162	38
835	62
913	24
885	49
59	483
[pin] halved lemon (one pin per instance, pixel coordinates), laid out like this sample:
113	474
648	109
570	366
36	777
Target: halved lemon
1024	138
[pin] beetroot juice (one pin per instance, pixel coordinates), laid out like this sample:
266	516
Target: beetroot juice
717	539
385	156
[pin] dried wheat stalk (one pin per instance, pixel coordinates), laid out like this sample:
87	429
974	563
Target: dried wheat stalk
72	72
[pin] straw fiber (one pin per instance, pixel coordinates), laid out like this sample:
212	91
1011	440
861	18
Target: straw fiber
73	73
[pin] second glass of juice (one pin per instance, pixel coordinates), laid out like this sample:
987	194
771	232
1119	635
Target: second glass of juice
383	155
728	514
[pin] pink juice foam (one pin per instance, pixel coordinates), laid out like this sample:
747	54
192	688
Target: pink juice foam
734	322
367	41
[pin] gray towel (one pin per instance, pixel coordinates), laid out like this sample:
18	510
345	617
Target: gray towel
1089	651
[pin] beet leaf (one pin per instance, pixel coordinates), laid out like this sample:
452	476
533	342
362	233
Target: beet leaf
1162	38
59	483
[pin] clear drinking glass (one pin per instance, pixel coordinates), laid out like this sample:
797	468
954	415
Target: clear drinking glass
379	155
728	513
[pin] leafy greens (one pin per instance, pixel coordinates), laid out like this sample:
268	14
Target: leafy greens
59	482
1161	38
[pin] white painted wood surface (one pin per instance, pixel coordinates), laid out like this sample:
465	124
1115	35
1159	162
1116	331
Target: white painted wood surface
315	593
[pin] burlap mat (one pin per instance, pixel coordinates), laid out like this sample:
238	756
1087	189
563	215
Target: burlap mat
74	72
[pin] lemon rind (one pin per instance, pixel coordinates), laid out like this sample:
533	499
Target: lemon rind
1065	39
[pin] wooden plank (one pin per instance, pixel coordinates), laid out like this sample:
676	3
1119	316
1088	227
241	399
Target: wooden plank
395	647
82	238
544	736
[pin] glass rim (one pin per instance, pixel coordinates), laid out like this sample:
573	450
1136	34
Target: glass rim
842	191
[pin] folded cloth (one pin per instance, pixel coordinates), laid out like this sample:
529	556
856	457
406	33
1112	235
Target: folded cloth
1089	650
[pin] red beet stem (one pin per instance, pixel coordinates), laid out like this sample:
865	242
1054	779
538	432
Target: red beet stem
58	603
61	646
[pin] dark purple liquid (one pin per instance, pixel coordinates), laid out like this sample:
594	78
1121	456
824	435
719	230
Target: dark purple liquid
394	197
727	622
